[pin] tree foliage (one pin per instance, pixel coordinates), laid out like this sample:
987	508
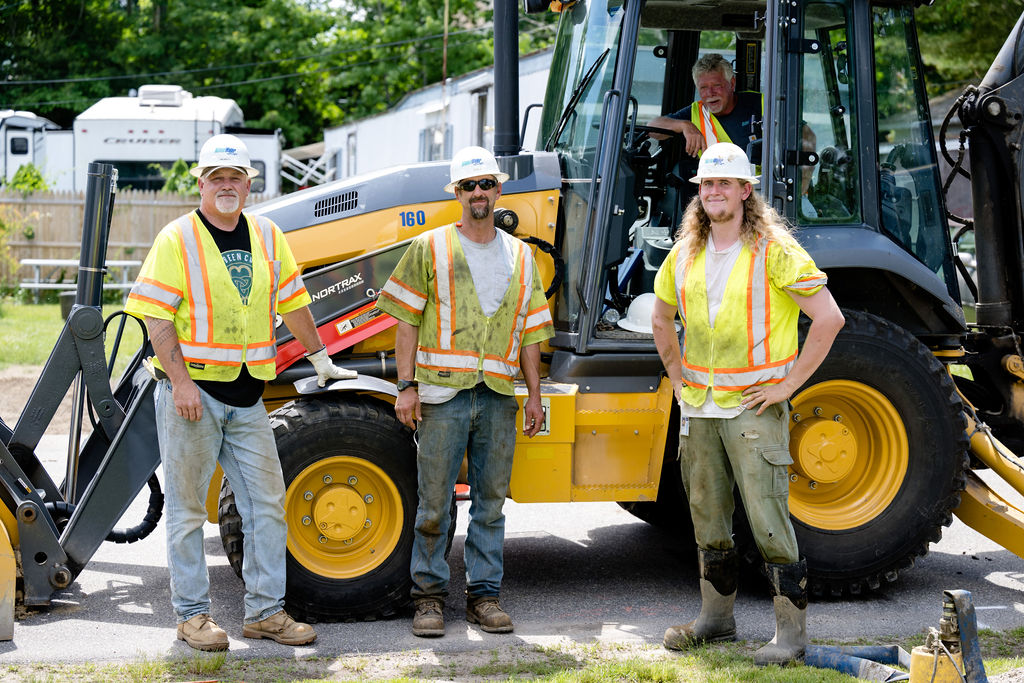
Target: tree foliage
297	65
960	38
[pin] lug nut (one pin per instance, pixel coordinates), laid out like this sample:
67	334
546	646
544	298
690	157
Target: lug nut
306	521
308	495
353	480
368	499
328	479
367	524
817	412
322	539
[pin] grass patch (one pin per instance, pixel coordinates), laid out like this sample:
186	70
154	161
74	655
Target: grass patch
28	333
567	662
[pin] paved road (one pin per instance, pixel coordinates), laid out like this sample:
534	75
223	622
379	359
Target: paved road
585	572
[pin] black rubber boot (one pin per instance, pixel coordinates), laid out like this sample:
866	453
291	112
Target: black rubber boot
718	570
789	588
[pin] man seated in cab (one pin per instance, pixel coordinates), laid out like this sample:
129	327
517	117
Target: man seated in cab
720	115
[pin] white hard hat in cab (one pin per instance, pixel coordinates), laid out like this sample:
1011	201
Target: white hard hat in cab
724	160
638	315
470	162
222	151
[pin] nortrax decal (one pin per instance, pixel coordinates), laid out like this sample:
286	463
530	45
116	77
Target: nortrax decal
339	287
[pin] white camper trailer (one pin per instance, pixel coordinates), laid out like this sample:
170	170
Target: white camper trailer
429	123
160	125
138	135
23	138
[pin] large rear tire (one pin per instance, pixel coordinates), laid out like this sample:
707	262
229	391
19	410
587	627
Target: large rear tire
880	450
350	471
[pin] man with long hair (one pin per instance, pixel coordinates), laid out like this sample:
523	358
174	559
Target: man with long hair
739	280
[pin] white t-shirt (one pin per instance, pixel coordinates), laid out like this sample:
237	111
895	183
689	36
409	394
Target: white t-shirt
718	264
491	264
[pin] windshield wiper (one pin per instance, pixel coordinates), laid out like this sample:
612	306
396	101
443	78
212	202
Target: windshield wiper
574	99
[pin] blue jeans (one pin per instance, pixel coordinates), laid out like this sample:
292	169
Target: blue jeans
480	423
241	440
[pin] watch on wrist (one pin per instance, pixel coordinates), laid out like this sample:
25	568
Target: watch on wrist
404	384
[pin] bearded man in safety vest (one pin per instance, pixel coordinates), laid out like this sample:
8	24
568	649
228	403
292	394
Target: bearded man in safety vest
471	314
739	280
209	292
720	115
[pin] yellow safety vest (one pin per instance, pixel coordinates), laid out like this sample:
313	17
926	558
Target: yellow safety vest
754	339
710	128
432	288
184	278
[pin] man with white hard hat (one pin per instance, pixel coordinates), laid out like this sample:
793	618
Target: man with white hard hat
209	292
471	314
739	281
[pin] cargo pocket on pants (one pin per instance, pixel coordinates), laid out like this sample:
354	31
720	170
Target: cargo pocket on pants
775	483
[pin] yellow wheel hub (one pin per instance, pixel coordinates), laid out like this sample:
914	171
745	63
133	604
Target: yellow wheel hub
344	515
850	454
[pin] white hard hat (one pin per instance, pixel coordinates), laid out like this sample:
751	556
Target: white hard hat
470	162
638	315
223	151
724	160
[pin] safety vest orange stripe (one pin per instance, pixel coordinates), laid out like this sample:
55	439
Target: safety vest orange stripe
150	300
298	292
399	302
161	285
203	265
512	351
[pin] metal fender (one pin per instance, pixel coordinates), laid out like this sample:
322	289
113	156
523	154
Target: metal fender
308	385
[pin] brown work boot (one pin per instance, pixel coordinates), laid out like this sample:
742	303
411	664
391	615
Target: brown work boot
486	611
428	622
202	633
282	628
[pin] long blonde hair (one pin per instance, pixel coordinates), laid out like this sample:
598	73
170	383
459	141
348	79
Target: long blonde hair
760	220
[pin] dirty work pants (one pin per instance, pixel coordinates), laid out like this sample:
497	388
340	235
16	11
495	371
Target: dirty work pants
241	440
751	452
479	423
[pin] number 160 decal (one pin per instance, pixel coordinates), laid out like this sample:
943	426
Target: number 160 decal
413	218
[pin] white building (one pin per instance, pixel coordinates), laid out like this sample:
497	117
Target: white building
430	123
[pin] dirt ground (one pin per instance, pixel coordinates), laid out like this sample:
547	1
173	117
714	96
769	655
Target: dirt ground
16	385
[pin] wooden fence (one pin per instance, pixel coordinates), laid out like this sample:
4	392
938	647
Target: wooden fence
48	225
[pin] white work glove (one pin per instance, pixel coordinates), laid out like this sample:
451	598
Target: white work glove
326	370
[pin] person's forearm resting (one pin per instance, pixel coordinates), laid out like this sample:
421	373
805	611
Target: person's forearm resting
300	323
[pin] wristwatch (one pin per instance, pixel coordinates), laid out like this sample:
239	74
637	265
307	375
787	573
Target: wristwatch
404	384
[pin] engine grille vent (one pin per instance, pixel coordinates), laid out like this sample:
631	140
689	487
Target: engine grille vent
339	203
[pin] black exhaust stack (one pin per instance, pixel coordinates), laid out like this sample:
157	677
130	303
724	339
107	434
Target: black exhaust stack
506	78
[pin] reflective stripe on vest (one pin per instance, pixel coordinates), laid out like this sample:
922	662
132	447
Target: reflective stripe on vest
200	347
760	368
443	357
710	128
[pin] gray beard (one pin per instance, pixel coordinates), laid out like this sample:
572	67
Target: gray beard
226	204
480	212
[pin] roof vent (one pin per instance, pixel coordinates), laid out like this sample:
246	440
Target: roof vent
161	95
339	203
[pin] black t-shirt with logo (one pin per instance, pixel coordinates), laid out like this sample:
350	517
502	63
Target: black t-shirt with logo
245	390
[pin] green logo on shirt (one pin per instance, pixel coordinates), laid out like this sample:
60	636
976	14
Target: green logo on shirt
239	265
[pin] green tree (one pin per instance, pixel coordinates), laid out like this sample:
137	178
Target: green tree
178	180
28	178
960	38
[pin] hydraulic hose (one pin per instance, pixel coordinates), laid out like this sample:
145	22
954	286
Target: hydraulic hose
136	533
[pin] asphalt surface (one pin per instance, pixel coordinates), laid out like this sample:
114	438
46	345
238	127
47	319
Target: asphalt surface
583	572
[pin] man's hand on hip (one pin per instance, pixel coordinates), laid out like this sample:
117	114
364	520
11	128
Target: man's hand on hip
187	402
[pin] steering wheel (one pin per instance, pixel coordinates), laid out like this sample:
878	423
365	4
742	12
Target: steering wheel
642	132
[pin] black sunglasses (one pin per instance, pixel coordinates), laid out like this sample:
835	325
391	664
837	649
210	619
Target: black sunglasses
470	185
